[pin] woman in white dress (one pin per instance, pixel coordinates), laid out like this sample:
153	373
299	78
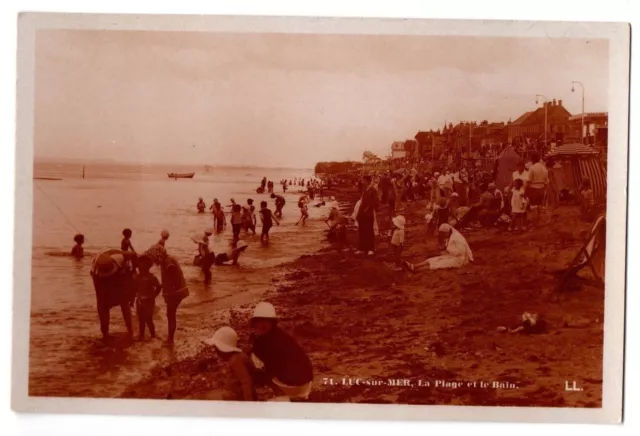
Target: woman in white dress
457	252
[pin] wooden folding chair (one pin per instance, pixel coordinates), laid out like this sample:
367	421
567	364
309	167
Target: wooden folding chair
578	262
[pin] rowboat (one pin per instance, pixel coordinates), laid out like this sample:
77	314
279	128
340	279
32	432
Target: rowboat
181	175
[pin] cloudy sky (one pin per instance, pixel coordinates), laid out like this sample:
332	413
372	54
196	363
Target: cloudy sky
284	99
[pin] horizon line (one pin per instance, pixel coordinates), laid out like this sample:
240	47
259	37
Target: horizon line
142	163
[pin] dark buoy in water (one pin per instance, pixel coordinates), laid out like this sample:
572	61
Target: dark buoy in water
83	171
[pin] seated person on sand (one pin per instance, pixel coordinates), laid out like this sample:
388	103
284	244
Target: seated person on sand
238	384
231	256
483	212
456	251
337	227
276	356
587	201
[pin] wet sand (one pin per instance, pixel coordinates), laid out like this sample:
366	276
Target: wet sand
364	323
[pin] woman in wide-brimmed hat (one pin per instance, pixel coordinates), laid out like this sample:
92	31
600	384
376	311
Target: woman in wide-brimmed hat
113	283
174	286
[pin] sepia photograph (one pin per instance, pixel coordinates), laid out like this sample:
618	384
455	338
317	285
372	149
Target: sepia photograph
329	212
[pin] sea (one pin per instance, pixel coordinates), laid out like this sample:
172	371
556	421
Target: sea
66	356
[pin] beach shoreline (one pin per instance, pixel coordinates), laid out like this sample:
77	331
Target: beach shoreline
363	328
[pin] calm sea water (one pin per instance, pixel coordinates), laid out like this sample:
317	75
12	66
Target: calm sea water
67	357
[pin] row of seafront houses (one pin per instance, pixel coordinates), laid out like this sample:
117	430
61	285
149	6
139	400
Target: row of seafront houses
467	138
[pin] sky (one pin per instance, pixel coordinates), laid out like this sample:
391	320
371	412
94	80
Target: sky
287	100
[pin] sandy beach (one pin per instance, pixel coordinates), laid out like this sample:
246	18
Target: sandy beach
435	332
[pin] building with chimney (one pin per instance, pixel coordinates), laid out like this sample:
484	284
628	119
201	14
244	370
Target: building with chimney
531	125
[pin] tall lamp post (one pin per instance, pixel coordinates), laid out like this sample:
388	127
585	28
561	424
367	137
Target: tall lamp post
545	115
573	89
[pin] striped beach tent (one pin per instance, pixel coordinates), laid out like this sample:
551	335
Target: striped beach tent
585	163
592	169
573	150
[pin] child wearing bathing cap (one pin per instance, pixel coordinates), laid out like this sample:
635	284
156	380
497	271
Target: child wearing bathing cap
164	235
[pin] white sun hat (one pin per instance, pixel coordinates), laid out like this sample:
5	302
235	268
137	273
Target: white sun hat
264	310
224	339
399	221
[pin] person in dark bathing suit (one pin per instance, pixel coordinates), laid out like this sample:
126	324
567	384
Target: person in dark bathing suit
236	221
113	284
174	286
280	202
201	206
125	245
77	251
267	218
219	219
147	289
232	255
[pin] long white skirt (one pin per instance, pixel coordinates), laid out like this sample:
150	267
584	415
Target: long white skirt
446	261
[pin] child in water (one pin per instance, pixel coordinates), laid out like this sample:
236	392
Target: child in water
147	289
249	217
234	250
267	218
304	211
164	235
201	205
125	245
236	220
77	251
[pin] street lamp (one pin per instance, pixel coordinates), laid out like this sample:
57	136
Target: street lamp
545	115
573	89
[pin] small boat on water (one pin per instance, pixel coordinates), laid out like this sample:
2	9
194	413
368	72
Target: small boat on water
181	175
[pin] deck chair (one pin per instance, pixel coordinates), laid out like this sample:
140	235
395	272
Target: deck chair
593	250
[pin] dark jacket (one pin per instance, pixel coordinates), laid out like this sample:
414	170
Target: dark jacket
369	202
283	358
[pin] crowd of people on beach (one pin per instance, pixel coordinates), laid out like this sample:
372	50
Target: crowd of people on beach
458	198
122	276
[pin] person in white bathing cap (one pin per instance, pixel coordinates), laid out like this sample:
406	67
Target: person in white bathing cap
238	384
281	362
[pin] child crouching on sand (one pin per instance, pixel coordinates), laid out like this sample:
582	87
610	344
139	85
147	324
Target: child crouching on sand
397	239
238	385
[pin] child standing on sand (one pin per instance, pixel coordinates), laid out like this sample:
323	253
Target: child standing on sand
147	289
397	238
518	205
